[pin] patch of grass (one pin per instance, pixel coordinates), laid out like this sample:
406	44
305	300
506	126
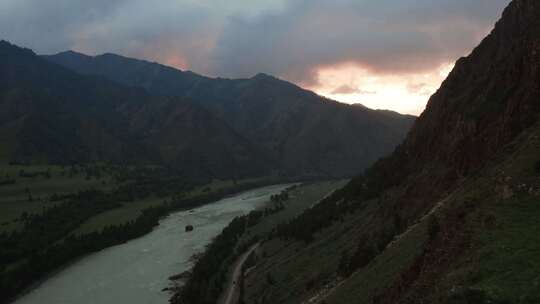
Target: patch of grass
217	185
128	212
11	211
32	194
510	258
383	270
300	199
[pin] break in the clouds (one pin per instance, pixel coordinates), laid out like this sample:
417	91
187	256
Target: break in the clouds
293	39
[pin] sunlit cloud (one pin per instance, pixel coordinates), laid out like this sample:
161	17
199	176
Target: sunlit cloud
347	89
393	50
403	93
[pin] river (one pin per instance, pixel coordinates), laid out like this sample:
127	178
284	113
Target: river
137	271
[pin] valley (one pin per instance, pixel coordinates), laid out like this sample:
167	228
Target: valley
53	215
138	270
91	163
128	181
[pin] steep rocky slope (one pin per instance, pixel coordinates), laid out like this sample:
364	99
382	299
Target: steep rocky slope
450	216
305	133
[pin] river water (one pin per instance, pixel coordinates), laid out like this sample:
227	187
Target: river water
137	271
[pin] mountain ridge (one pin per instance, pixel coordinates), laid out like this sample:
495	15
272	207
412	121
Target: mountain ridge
303	131
66	117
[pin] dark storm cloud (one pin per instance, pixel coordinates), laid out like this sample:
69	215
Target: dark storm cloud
288	38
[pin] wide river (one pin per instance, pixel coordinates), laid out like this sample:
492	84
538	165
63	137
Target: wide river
137	271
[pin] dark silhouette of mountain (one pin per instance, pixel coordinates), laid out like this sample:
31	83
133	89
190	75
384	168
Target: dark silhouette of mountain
51	114
305	133
451	216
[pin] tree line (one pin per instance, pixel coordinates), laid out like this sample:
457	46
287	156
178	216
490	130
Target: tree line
46	242
209	274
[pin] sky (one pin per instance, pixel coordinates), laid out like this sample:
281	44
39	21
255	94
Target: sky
385	54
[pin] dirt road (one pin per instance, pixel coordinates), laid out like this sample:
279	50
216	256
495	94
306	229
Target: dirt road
230	296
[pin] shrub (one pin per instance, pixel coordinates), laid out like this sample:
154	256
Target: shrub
269	279
434	227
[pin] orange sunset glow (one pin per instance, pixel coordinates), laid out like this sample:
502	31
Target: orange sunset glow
387	55
407	94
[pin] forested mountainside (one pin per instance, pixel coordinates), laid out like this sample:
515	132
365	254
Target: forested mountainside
451	215
304	133
53	115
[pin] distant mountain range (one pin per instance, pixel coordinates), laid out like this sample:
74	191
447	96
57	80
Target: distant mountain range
297	131
52	114
71	108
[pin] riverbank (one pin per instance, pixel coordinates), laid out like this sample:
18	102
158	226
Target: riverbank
210	273
42	264
137	271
